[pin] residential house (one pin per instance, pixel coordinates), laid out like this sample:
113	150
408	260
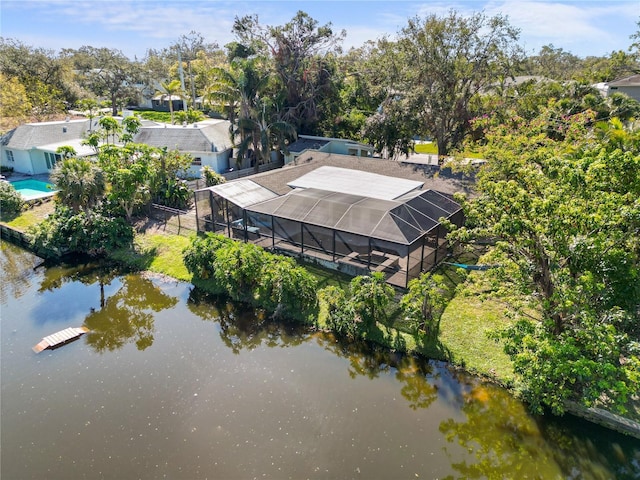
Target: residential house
629	86
306	143
31	148
207	142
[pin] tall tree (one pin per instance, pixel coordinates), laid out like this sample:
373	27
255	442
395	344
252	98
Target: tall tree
107	73
439	64
302	52
187	49
48	78
565	210
241	87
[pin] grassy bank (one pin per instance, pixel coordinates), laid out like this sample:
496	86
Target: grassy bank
463	328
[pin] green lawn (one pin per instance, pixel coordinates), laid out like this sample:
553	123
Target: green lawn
157	253
430	148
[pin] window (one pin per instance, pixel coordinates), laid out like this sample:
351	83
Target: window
196	161
52	159
10	156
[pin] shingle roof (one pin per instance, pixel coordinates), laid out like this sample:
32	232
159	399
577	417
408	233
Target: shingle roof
31	135
302	144
632	81
209	136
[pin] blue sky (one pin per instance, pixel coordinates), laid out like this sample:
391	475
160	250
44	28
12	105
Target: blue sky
580	27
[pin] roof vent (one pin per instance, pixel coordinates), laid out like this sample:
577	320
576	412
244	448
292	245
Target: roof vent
64	129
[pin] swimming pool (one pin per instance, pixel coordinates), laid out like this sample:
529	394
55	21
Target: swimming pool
34	189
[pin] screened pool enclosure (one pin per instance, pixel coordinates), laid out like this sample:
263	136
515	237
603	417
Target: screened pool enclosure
352	233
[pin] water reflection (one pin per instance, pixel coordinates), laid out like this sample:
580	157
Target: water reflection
17	271
128	315
504	440
213	398
241	328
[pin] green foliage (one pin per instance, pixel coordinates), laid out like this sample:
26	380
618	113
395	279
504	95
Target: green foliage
248	274
424	303
128	170
287	290
11	201
341	317
91	233
357	311
188	117
582	365
439	64
370	296
211	177
200	256
565	210
237	269
80	182
165	185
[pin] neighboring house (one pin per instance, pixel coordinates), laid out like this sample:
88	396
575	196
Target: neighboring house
160	103
629	86
305	143
207	142
31	148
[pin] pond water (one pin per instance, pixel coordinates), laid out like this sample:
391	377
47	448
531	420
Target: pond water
169	384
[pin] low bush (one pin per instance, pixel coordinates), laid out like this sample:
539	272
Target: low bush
93	233
11	202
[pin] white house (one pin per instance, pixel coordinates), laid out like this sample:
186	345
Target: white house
340	146
629	85
31	148
207	142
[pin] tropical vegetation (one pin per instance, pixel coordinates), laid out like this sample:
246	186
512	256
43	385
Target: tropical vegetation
557	199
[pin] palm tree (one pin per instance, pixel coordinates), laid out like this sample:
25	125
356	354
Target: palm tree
170	89
240	88
262	132
81	183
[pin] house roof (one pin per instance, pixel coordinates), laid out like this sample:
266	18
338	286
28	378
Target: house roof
345	180
632	81
302	144
278	180
308	142
207	136
243	193
31	135
395	221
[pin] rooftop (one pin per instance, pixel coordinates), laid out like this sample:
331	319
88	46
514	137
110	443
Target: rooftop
366	184
278	180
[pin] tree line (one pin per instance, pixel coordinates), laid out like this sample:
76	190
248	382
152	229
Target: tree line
274	82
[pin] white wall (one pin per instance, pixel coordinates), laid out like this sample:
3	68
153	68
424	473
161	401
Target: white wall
21	163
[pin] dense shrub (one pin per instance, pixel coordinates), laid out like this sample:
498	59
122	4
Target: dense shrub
199	257
211	177
341	317
353	313
11	201
247	273
90	233
287	290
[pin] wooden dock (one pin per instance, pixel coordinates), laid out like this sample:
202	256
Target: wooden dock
60	338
